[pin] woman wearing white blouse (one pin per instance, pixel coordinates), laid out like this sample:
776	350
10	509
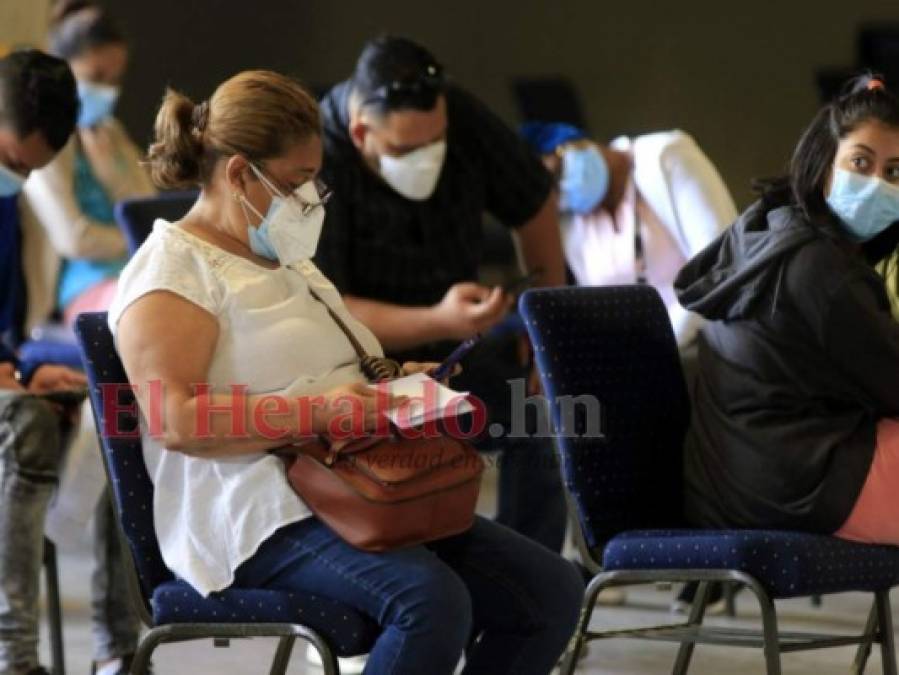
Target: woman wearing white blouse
207	300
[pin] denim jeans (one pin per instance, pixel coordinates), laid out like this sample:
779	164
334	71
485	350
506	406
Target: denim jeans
531	499
506	601
32	443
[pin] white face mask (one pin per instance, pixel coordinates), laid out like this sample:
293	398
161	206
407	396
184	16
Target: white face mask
286	233
414	175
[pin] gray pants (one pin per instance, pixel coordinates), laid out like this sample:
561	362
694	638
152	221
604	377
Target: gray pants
32	444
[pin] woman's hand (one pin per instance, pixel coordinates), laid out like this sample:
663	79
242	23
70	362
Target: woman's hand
353	409
428	367
8	379
49	378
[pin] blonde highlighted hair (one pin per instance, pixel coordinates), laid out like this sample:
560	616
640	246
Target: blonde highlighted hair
257	114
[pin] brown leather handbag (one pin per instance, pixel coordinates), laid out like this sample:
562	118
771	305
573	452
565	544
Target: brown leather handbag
379	493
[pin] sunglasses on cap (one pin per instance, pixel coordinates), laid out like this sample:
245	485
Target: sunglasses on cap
396	91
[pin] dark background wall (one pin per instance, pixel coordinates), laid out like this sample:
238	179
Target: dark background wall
738	75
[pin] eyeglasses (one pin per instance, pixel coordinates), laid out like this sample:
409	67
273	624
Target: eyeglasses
306	207
431	80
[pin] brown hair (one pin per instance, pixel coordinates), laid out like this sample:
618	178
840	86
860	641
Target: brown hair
258	114
77	26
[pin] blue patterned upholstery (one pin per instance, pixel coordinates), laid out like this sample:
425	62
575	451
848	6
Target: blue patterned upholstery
348	631
616	343
135	217
172	600
787	564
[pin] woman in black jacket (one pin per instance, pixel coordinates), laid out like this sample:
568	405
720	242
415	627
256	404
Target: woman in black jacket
796	405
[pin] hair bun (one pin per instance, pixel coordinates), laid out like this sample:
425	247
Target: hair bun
176	155
200	117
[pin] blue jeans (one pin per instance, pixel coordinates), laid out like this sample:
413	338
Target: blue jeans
507	601
531	498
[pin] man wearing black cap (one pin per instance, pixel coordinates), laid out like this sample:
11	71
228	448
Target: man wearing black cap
414	163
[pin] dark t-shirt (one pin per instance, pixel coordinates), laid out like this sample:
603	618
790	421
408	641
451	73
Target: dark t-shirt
377	244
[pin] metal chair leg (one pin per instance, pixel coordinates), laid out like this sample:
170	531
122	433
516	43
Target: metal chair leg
329	659
730	599
569	662
769	630
697	612
282	655
864	647
885	625
54	611
141	663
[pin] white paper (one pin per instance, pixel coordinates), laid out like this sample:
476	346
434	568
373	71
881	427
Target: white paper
428	400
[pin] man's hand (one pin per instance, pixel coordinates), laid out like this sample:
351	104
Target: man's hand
469	308
8	379
49	378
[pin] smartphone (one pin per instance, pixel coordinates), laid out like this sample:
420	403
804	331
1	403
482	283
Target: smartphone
65	397
523	282
446	368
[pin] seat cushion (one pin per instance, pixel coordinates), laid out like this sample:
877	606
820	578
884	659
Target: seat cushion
787	564
348	631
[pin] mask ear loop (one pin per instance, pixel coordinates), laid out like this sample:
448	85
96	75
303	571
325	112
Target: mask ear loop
244	203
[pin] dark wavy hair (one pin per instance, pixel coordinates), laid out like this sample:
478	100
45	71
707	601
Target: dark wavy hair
858	103
395	73
38	93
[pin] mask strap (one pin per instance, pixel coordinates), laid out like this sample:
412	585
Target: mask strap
275	192
244	203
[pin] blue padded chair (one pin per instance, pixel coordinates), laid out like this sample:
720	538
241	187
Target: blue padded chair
171	608
135	217
621	465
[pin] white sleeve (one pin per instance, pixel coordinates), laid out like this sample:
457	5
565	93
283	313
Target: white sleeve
166	262
700	201
51	195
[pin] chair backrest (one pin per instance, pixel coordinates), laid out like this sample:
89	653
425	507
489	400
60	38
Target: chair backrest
115	410
616	345
135	217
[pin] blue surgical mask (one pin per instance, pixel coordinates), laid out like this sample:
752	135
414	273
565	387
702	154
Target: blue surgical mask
287	232
10	182
866	205
97	102
585	179
260	242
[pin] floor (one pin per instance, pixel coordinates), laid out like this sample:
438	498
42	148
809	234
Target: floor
645	605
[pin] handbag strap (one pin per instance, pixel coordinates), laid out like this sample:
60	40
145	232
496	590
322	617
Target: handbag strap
360	350
375	368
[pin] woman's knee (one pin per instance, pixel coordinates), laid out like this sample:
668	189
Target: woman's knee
437	606
560	594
